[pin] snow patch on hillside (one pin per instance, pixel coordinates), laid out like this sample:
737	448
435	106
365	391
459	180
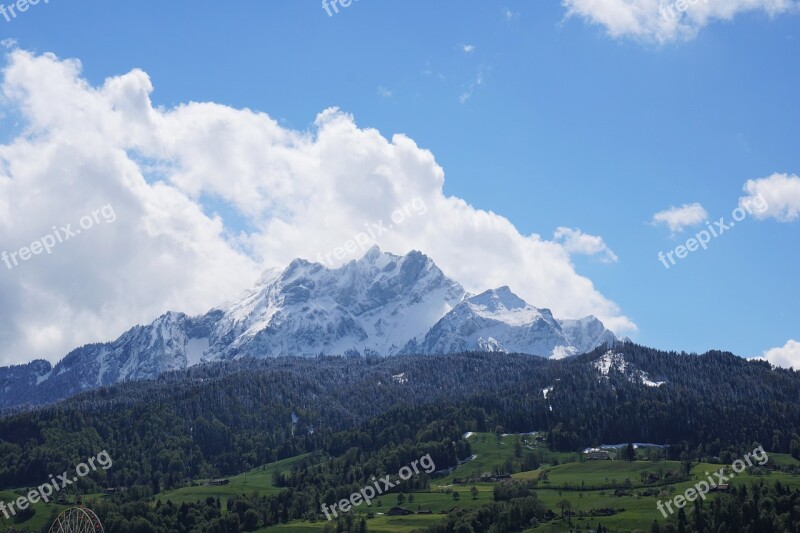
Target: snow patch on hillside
611	360
616	361
400	378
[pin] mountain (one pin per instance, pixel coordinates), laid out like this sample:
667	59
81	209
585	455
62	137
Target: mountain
586	334
381	304
500	321
172	342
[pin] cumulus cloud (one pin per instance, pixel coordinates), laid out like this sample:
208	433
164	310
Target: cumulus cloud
787	356
467	48
207	196
679	218
575	241
666	20
777	196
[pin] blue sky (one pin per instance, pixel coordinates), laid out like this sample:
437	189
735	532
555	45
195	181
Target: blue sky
546	119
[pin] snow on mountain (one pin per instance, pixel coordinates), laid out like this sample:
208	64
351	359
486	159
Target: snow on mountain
586	334
370	306
610	360
500	321
616	362
142	352
400	378
381	304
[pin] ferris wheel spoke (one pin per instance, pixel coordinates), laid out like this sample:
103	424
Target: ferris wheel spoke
77	520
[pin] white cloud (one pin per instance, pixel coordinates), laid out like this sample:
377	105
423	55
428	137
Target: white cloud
467	48
575	241
787	356
679	218
289	194
777	196
510	15
662	20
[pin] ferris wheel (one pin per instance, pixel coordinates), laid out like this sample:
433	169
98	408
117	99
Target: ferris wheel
77	520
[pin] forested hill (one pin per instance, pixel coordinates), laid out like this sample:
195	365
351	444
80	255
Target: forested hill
225	418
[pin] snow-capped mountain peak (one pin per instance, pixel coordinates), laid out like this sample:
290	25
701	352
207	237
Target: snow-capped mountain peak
370	305
500	321
502	304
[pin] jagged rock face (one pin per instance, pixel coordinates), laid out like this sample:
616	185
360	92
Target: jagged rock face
172	342
382	304
374	305
586	334
500	321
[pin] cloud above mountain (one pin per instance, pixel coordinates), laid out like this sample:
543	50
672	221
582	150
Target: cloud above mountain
668	20
787	356
207	196
575	241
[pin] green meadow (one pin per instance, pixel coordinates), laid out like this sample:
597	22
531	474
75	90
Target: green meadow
587	485
257	480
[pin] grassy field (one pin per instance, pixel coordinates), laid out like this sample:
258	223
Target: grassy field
491	451
639	502
257	480
42	516
565	475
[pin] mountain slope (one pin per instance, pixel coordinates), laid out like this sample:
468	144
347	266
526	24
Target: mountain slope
500	321
172	342
382	304
284	406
